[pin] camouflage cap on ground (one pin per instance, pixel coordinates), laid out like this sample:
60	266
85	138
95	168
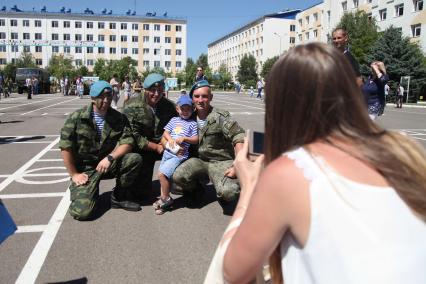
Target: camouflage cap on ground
153	79
199	84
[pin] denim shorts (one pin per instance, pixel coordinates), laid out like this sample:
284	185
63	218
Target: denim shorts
169	163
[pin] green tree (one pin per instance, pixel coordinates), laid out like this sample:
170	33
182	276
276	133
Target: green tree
60	66
247	71
190	70
25	60
222	78
99	66
202	61
123	67
362	33
181	78
158	70
401	58
267	66
82	71
10	71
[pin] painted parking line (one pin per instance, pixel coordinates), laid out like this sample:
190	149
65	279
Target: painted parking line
31	195
26	166
34	102
31	229
48	106
36	260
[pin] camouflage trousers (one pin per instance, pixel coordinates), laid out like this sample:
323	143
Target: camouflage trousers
144	179
84	197
194	170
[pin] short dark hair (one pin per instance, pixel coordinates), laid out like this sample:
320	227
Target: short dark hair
344	31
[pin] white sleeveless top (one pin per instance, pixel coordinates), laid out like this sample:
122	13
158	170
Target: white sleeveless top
358	233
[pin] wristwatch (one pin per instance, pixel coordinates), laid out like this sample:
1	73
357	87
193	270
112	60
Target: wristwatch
110	158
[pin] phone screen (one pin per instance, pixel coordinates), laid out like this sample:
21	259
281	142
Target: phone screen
256	142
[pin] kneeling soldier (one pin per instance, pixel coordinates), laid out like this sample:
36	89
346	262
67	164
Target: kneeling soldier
90	152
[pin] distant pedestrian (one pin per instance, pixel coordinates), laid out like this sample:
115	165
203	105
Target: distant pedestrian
251	92
115	91
66	86
127	89
80	87
200	74
259	86
399	95
29	86
2	85
137	87
35	85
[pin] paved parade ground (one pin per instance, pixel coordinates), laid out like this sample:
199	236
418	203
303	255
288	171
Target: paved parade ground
117	246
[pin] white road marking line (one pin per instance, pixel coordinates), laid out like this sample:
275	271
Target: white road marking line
25	136
22	169
32	195
34	102
48	106
46	175
418	138
44	113
34	263
67	113
27	142
242	105
31	229
55	150
4	176
246	113
50	160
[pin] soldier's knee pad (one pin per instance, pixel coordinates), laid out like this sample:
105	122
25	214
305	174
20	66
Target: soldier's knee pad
229	193
81	209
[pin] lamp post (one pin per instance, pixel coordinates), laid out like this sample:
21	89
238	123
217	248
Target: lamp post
280	42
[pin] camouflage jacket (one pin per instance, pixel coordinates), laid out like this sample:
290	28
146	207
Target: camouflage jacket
147	126
218	137
79	134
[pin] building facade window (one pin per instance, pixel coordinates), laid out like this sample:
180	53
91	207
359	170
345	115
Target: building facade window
168	39
37	23
123	50
55	36
112	50
26	48
101	50
416	30
292	40
178	64
156	27
418	5
123	26
3	23
13	35
78	25
157	39
78	49
135	27
15	48
292	28
2	35
89	37
135	51
55	24
383	14
315	17
178	40
89	25
135	38
101	37
55	49
112	26
167	64
156	63
145	38
3	61
39	61
167	28
67	37
356	3
25	23
67	49
101	25
146	51
167	51
178	28
38	36
67	24
14	23
145	63
399	10
38	49
90	62
78	62
27	36
123	38
178	52
345	6
3	48
112	38
146	27
89	49
156	51
78	37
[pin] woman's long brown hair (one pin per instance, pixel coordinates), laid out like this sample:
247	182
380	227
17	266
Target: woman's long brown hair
312	95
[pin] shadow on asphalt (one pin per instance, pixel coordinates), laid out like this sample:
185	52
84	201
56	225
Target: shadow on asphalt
102	206
14	139
82	280
11	121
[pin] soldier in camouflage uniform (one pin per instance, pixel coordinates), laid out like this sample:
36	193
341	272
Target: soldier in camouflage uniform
220	138
89	149
148	114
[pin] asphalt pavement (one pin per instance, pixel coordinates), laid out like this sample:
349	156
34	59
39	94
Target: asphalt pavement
117	246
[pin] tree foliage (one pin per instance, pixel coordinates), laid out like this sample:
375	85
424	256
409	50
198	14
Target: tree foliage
247	71
25	60
362	32
123	67
222	78
267	66
401	58
60	66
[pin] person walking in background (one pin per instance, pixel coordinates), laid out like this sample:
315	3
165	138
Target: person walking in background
200	74
67	84
127	89
340	41
387	89
251	92
179	133
374	89
115	91
96	143
80	86
137	87
399	95
259	86
348	196
29	86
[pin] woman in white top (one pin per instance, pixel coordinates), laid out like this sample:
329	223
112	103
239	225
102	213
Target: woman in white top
341	200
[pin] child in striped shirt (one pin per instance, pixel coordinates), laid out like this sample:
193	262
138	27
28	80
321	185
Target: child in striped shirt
180	132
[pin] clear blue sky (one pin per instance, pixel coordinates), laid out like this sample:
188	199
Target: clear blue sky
207	20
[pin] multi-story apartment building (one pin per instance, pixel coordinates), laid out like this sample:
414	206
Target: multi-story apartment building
310	24
408	15
265	37
84	37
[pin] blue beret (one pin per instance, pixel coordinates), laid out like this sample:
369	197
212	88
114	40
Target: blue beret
98	87
197	85
184	100
153	79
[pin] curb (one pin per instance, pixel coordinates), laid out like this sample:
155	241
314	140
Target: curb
408	105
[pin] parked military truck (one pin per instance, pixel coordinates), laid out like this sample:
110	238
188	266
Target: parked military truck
42	75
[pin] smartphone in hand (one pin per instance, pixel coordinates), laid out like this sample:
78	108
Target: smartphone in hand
256	142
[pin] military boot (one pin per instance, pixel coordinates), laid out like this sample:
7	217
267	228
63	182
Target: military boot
119	201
